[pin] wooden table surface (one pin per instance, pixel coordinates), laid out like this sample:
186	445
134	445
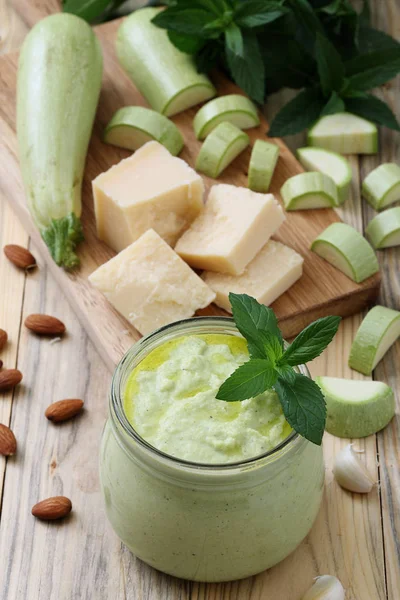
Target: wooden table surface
356	538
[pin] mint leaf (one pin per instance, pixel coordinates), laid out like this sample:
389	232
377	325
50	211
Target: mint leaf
378	58
287	64
254	13
370	107
303	405
311	341
330	65
365	15
216	6
234	40
248	70
298	114
272	346
186	43
286	372
90	10
338	7
372	70
307	23
248	381
251	318
334	105
187	21
370	40
207	57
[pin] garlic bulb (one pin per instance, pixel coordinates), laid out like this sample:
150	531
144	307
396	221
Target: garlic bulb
350	472
325	587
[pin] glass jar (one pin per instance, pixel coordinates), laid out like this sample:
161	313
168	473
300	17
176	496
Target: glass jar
204	522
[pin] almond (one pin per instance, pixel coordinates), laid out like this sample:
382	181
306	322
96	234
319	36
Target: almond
53	508
3	338
63	410
45	325
19	256
9	378
8	443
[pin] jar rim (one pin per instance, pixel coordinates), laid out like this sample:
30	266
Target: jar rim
117	409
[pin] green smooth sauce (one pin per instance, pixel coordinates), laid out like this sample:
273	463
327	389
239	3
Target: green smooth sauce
170	401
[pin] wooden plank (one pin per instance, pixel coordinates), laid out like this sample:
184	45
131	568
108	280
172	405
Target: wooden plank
12	28
322	288
11	298
12	31
388	445
56	460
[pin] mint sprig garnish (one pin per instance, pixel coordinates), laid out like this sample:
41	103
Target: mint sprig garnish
270	366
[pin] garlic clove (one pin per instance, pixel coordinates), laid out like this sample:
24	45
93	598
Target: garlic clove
351	473
325	587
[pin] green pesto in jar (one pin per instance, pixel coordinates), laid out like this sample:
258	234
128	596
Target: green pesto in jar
170	401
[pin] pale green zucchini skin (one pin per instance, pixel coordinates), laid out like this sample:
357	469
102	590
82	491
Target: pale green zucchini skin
164	75
59	79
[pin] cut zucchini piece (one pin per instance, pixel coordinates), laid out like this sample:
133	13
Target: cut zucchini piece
133	126
377	332
263	159
382	186
356	408
344	133
166	77
384	230
330	163
347	250
309	190
220	148
234	108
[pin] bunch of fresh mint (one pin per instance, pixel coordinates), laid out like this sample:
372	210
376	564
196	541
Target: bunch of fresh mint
323	47
271	366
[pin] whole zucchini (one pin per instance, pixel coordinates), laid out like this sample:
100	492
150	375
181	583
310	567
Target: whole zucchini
59	79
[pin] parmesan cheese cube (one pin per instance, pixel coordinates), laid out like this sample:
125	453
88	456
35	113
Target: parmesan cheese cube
268	276
234	225
149	190
150	285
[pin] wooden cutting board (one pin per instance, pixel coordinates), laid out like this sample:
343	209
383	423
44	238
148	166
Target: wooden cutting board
322	289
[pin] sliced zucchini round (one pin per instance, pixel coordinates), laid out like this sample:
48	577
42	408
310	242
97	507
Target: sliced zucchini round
309	190
344	133
220	148
263	159
356	408
234	108
133	126
384	230
330	163
377	332
381	187
347	250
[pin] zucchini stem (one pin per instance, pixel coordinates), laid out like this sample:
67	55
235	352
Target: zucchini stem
61	238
